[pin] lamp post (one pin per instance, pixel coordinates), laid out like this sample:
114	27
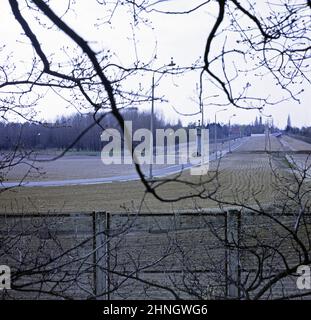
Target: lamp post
199	139
38	135
267	133
229	132
202	105
171	64
215	134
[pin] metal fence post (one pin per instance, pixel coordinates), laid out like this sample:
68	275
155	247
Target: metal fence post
107	249
233	277
101	254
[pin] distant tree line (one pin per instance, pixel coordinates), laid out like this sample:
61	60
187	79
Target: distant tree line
236	130
303	133
65	130
61	133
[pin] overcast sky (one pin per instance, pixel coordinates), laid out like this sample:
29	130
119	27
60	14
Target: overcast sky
181	37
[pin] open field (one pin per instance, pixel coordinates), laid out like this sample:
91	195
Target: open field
238	176
73	167
184	250
243	176
299	154
295	144
258	144
78	166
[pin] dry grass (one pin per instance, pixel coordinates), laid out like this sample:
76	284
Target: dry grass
76	166
240	177
296	145
258	144
243	176
72	167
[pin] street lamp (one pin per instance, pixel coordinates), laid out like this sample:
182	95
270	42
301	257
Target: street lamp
234	115
267	131
38	140
171	64
202	105
215	135
201	126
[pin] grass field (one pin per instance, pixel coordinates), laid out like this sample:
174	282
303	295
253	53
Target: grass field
296	145
238	175
258	144
242	174
72	167
77	165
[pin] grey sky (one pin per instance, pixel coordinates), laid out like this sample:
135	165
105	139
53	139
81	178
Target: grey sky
182	37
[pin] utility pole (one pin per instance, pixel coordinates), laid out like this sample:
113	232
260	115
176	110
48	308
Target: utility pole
215	134
229	132
267	134
199	140
151	127
171	64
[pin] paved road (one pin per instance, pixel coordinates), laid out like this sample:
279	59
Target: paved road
121	178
